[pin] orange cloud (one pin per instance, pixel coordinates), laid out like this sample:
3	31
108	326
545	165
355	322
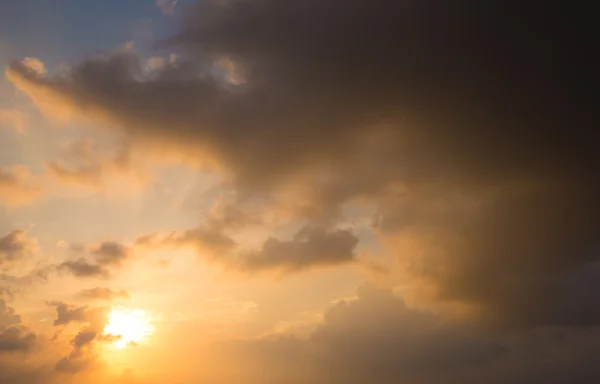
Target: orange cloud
18	186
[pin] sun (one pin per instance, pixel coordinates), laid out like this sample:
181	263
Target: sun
128	326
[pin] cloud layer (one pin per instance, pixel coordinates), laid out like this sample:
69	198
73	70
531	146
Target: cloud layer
469	128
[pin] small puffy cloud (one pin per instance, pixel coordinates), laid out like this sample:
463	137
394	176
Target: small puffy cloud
111	253
15	246
84	338
18	186
103	257
310	247
67	314
80	267
93	317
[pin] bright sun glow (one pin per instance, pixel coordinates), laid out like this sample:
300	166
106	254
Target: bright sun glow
129	325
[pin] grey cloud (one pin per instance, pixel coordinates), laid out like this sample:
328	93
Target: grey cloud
16	339
14	246
111	253
401	341
77	361
377	338
67	314
106	256
8	317
84	338
82	268
310	247
523	257
13	336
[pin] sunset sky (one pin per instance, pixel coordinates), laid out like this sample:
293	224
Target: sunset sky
299	191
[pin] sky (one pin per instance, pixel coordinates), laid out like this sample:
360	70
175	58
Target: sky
298	191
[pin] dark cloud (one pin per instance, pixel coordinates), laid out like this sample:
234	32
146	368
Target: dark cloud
77	361
377	338
67	314
15	246
472	125
83	338
401	342
16	339
105	256
13	336
527	256
111	253
101	293
9	292
82	268
309	247
8	317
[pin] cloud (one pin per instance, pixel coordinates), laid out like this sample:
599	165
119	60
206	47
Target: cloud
101	293
35	65
9	292
309	247
83	338
111	253
16	246
376	337
66	314
76	361
8	317
83	163
105	256
479	151
92	320
13	336
18	186
16	339
167	6
82	268
14	119
401	341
